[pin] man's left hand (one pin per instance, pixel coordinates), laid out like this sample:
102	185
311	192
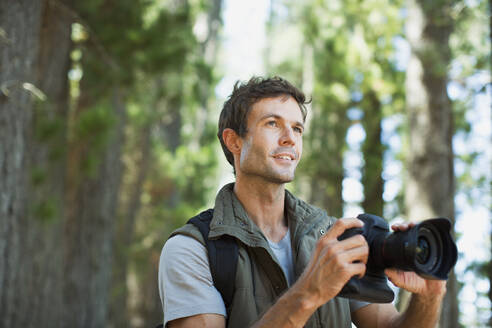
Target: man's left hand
415	284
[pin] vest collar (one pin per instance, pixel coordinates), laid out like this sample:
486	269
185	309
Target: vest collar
231	218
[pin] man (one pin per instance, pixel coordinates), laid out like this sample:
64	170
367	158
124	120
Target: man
291	265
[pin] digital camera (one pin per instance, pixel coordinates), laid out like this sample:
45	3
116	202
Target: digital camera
427	249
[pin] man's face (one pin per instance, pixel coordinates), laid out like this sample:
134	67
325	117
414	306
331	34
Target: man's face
272	146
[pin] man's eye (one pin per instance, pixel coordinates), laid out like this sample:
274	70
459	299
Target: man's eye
298	130
272	123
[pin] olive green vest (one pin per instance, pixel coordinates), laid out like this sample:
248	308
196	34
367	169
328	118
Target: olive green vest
260	280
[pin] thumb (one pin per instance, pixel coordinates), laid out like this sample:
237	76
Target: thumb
392	274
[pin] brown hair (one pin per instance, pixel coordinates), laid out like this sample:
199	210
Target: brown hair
235	112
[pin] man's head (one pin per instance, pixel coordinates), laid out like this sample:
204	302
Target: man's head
237	108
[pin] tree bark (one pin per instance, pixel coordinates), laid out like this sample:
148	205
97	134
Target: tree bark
89	230
489	271
214	23
172	122
125	230
44	229
430	183
372	152
328	132
209	49
20	22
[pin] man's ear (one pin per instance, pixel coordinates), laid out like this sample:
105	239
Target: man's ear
232	141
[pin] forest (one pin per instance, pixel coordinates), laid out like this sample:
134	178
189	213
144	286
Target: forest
108	136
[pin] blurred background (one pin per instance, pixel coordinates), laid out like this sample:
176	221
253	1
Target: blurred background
108	120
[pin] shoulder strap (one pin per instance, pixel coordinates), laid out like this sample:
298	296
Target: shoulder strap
222	256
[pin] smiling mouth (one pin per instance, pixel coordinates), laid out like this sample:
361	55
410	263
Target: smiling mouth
288	157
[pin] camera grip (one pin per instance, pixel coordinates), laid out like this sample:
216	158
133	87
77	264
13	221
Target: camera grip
373	289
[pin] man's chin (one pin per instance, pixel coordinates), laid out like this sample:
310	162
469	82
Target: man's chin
281	179
272	176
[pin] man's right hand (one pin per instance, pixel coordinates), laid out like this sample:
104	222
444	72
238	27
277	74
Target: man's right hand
333	263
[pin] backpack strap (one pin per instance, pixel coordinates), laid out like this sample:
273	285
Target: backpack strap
222	256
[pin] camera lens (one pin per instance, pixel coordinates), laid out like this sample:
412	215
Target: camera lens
428	249
423	251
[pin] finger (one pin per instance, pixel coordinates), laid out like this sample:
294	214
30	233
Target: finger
351	263
338	255
403	226
400	227
353	242
391	273
357	269
343	252
357	254
341	225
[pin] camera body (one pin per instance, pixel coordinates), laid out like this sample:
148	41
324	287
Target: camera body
427	249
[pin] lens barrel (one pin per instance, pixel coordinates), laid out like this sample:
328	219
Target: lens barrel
428	249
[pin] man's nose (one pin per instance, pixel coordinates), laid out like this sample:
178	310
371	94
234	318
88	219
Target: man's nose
287	137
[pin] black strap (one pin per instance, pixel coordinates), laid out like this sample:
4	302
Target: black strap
222	255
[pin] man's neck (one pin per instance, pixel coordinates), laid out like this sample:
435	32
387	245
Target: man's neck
264	202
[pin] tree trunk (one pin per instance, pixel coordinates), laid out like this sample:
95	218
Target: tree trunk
209	49
372	152
328	132
89	230
44	229
214	23
171	126
150	307
489	271
19	49
125	230
430	184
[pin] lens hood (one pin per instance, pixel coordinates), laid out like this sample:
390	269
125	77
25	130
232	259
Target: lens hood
435	251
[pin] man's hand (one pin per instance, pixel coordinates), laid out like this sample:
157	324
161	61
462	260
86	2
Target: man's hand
411	281
415	284
334	262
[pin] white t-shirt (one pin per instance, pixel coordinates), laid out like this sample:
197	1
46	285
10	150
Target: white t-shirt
283	253
186	287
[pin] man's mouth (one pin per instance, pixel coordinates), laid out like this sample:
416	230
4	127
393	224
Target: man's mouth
285	156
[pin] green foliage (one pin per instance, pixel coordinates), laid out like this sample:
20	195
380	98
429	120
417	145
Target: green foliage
94	128
94	124
49	129
123	40
45	210
38	176
192	173
169	37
